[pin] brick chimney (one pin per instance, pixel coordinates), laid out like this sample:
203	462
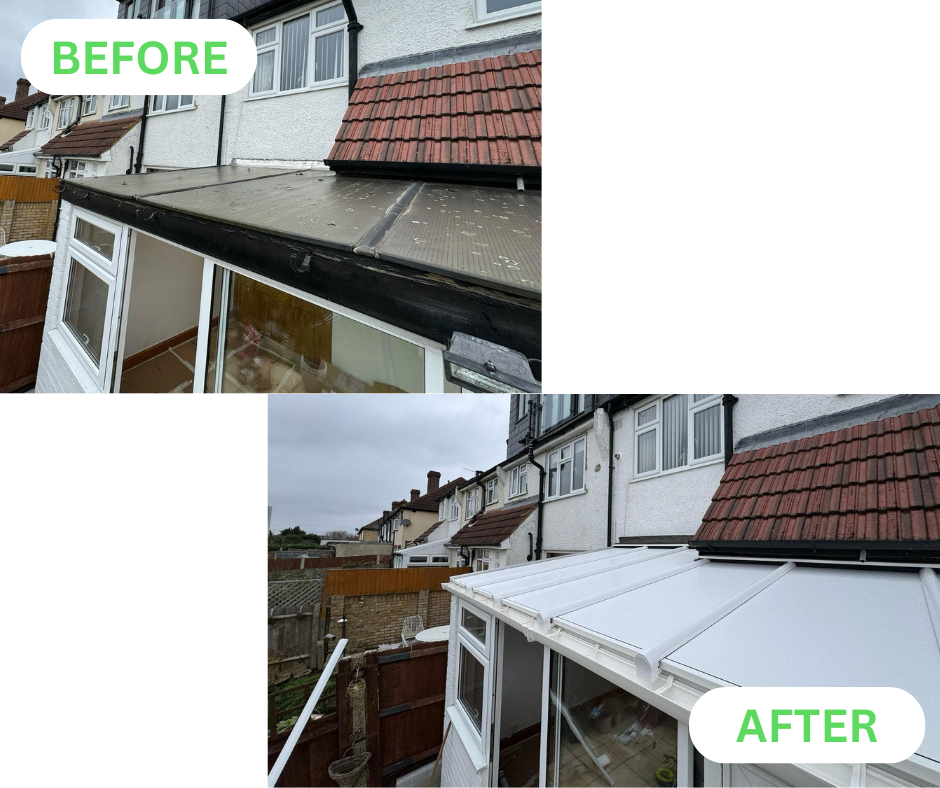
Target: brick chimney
3	100
22	88
385	514
434	480
415	494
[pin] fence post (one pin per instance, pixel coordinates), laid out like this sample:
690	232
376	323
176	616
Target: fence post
302	559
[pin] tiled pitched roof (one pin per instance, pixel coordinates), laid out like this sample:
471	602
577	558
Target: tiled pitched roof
492	528
373	526
90	139
486	112
424	537
18	110
875	482
13	140
429	501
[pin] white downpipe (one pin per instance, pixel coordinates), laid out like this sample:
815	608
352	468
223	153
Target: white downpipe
305	714
931	585
647	661
544	617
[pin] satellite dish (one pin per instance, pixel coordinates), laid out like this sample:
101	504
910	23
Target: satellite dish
405	522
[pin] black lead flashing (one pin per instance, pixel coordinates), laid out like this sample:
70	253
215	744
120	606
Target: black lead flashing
911	551
431	305
376	234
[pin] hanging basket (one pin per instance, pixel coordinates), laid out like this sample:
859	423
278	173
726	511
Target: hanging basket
350	771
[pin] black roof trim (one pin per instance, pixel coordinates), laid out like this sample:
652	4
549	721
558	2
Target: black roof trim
474	174
835	550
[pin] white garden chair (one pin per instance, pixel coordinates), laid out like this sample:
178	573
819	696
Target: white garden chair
411	627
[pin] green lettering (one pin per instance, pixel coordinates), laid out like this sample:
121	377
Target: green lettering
59	56
117	46
830	725
91	57
775	725
190	58
858	725
142	62
747	730
806	714
210	57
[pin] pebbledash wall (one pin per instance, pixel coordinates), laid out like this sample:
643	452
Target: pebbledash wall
377	619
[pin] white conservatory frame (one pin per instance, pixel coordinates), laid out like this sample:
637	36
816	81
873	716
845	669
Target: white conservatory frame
673	688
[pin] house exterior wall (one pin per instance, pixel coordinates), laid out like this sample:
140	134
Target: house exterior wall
369	536
10	127
185	138
518	543
420	522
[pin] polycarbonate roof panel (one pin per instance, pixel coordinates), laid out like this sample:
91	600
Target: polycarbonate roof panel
150	183
643	616
822	627
496	579
586	587
306	205
483	232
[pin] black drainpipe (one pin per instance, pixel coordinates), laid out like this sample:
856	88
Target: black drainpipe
354	27
477	478
143	131
530	440
218	158
57	168
727	402
610	475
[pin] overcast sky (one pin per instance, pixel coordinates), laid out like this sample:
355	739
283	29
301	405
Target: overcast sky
18	17
339	461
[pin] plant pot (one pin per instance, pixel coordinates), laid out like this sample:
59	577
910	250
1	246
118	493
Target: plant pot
665	777
312	370
350	771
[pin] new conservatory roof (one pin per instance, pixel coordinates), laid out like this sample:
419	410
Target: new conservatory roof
663	616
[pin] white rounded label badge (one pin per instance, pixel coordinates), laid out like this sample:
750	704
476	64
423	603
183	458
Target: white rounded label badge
807	725
139	56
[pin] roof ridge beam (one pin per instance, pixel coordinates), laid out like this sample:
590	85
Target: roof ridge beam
931	585
545	617
647	661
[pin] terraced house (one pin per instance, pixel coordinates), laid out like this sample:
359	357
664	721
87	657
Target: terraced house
363	216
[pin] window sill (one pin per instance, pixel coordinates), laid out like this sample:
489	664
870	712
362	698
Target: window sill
702	464
569	495
468	737
338	83
494	20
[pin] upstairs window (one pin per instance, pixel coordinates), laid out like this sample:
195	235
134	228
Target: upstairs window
473	502
565	468
522	406
89	105
66	111
169	9
118	102
556	408
440	509
45	117
301	52
171	103
134	9
517	481
497	10
677	431
31	118
454	510
492	491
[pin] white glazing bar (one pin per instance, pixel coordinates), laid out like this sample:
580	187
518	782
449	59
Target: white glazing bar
931	585
685	774
647	661
433	371
498	704
543	732
205	323
545	617
305	714
223	328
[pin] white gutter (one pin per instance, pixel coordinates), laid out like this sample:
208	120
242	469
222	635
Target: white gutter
647	661
544	617
305	714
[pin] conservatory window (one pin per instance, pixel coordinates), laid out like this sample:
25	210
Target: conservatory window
472	623
470	686
517	481
566	469
492	491
677	431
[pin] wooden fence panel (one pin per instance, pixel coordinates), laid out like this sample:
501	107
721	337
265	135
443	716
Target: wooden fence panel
316	749
16	187
24	292
365	582
287	564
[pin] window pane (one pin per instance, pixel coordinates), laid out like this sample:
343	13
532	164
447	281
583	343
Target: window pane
186	101
700	397
577	467
523	486
646	415
329	63
94	237
264	73
708	432
475	625
329	15
492	6
158	103
172	102
553	474
646	452
275	342
675	431
564	474
266	36
470	687
294	53
86	302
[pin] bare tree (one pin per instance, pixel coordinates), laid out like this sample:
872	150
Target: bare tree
339	535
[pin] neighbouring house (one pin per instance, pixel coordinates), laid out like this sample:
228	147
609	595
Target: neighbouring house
370	531
371	196
407	520
22	123
814	564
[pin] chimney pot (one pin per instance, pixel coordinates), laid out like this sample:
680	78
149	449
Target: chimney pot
434	480
415	494
22	88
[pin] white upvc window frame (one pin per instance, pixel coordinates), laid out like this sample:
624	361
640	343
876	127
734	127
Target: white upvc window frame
65	113
162	110
106	270
517	475
522	406
655	425
492	491
473	503
483	653
168	4
442	509
440	559
556	399
454	509
275	46
89	105
417	559
45	117
77	170
559	461
27	170
481	561
31	119
123	102
484	17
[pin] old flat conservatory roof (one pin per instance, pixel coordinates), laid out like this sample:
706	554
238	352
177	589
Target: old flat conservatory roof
675	624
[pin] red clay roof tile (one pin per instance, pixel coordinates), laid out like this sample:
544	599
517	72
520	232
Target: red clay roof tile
90	139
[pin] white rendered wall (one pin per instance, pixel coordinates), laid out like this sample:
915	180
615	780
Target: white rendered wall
518	551
759	412
186	138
